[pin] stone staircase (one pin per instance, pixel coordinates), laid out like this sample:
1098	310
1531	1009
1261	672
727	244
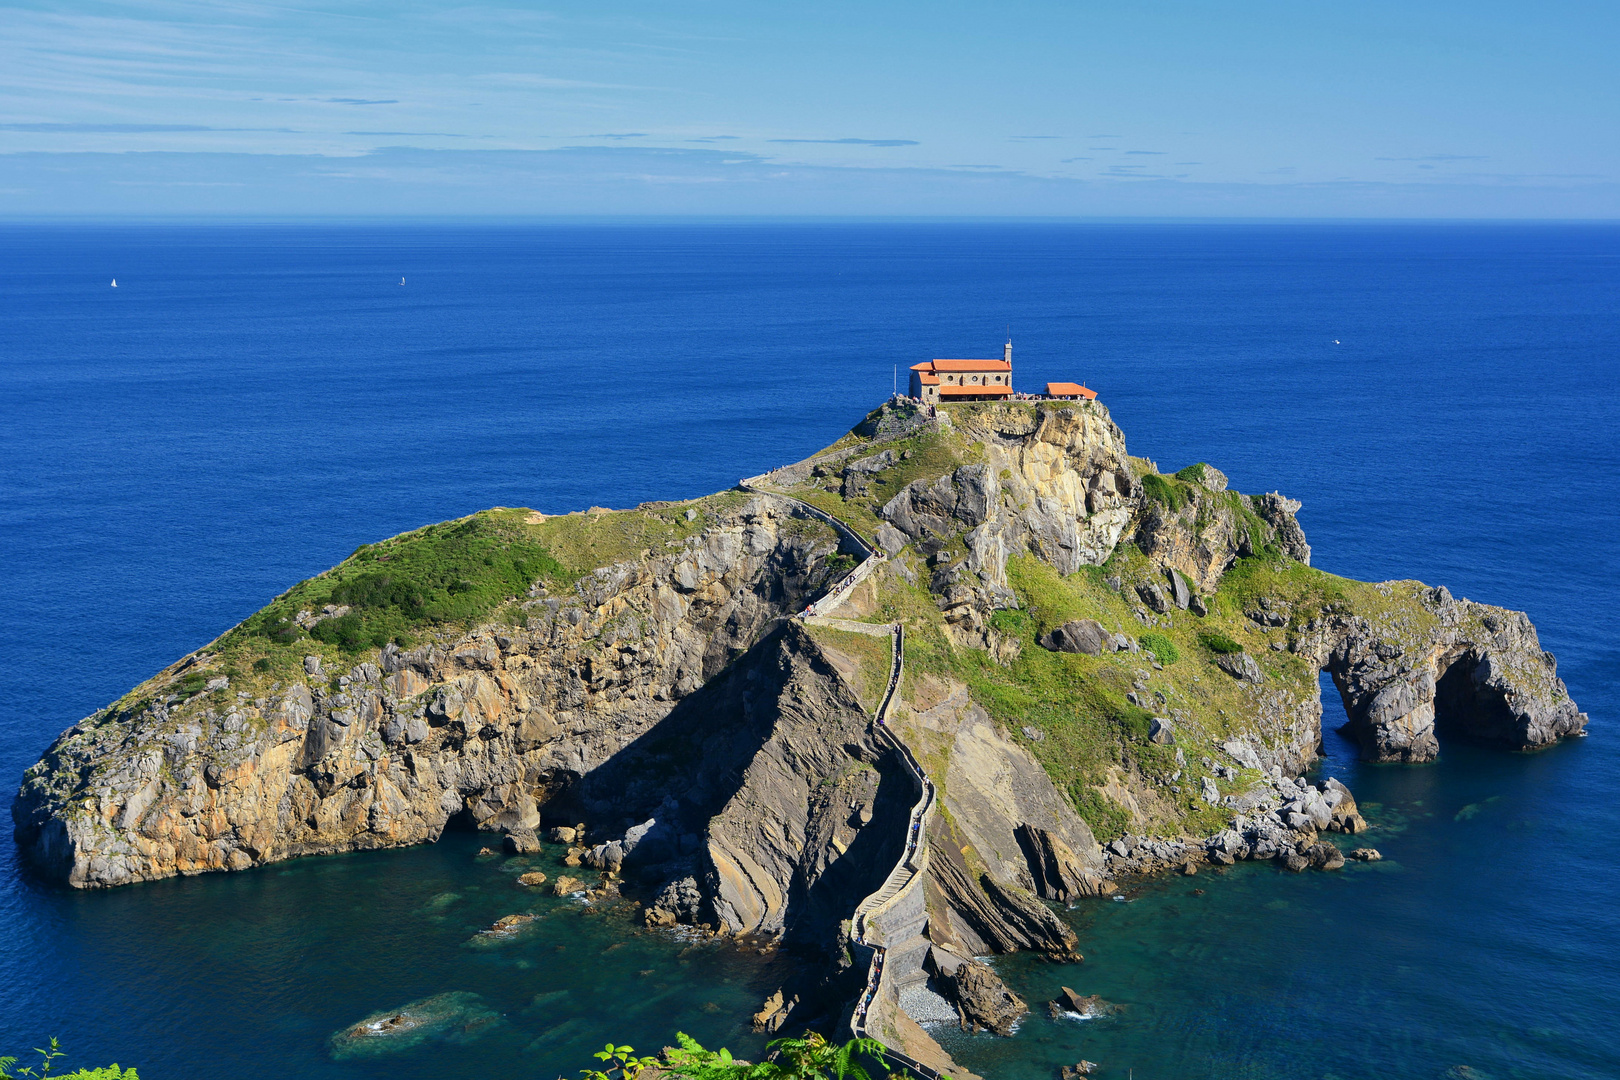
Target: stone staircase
889	923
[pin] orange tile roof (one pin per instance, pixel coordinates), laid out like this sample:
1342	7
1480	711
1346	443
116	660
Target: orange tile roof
928	380
966	391
1069	389
926	365
971	365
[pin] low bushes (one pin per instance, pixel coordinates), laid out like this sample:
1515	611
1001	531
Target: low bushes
1161	647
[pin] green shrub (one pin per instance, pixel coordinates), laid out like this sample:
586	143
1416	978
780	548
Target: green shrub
48	1059
1012	622
1136	722
1107	818
191	685
1164	491
1193	474
452	573
841	564
809	1057
1218	643
1161	647
262	664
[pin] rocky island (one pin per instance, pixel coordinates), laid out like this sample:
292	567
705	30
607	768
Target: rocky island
884	705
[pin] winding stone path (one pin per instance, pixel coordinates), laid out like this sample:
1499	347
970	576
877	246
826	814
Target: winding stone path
889	922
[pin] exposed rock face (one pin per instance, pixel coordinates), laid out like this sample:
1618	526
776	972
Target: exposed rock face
1059	873
1200	539
1001	805
1057	484
983	916
1080	636
1472	669
487	727
982	1000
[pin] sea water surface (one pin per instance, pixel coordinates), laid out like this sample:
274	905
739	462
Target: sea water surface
252	402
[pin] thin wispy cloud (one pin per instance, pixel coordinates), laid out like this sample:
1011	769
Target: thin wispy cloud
421	134
852	142
131	129
257	80
1437	157
102	129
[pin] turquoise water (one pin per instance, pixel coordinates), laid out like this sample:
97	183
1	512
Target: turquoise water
225	974
1408	967
253	402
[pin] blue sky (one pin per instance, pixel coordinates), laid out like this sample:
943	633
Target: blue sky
1483	109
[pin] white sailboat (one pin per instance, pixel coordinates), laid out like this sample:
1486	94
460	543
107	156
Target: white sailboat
402	281
115	283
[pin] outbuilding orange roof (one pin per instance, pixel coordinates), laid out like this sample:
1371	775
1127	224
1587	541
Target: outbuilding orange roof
1069	389
971	365
928	380
926	365
969	391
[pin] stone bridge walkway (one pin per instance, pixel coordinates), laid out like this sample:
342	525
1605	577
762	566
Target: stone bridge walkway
888	923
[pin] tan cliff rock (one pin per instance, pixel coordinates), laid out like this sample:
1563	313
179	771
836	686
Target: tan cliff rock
488	724
725	760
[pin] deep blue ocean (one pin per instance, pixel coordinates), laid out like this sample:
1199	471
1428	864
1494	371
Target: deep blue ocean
252	402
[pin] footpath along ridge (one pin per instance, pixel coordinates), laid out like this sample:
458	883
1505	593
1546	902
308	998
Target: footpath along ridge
867	927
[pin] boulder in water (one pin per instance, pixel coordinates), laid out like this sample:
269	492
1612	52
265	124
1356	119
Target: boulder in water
983	1001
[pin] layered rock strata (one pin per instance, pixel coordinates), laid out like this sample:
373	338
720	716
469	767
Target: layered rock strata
723	757
487	726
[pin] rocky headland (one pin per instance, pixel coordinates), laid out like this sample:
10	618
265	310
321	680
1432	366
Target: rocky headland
1107	670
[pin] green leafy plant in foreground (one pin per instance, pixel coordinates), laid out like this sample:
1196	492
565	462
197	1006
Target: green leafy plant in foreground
808	1057
48	1057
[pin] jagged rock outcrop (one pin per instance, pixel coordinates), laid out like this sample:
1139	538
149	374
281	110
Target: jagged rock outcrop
1059	874
1084	636
728	770
983	1002
487	726
1467	668
979	917
1195	528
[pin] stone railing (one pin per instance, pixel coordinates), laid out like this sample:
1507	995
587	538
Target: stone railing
871	559
900	886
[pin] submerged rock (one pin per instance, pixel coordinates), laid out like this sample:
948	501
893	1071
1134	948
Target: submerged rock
1084	1006
456	1017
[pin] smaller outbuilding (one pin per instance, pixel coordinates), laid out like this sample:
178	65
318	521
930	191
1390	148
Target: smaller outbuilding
1068	391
